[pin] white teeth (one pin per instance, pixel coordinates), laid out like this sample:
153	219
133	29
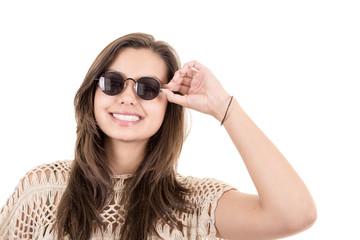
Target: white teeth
130	118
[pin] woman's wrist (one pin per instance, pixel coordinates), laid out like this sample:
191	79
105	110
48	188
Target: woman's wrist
227	110
220	107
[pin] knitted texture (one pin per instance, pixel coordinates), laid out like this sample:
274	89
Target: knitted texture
30	211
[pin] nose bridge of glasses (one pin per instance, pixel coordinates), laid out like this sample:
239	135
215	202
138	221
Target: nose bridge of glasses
131	80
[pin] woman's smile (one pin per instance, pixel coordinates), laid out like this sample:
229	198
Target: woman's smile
125	117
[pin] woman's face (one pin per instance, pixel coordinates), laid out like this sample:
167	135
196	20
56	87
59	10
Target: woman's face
126	117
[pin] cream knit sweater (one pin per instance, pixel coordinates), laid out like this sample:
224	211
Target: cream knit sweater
30	211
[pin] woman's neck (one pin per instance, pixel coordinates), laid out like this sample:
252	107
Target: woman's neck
125	157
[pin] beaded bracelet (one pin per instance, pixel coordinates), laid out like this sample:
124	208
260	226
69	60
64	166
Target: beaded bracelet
227	109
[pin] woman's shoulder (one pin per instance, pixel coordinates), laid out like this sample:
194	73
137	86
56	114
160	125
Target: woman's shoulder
57	166
55	173
41	179
209	189
196	182
49	176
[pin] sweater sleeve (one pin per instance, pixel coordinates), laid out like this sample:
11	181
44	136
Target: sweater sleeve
30	210
205	195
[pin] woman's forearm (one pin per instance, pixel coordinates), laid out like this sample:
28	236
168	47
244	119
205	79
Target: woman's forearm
281	191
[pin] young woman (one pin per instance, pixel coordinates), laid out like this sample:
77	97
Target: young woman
123	182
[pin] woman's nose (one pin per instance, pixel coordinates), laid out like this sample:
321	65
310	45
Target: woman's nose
128	95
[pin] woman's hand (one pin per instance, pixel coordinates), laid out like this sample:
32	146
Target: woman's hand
200	89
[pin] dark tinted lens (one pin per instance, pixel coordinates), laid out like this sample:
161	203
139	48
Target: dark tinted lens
111	83
147	88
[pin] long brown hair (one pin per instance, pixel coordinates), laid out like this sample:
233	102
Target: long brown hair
153	191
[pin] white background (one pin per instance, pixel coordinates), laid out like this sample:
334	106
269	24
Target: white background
294	66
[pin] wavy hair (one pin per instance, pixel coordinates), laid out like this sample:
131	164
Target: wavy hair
153	191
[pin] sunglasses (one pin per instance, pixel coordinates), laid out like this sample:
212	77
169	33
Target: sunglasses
112	83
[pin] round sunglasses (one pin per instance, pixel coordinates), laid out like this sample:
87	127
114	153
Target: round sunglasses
112	83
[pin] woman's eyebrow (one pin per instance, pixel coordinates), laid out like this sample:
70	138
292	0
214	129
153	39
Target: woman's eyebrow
114	71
